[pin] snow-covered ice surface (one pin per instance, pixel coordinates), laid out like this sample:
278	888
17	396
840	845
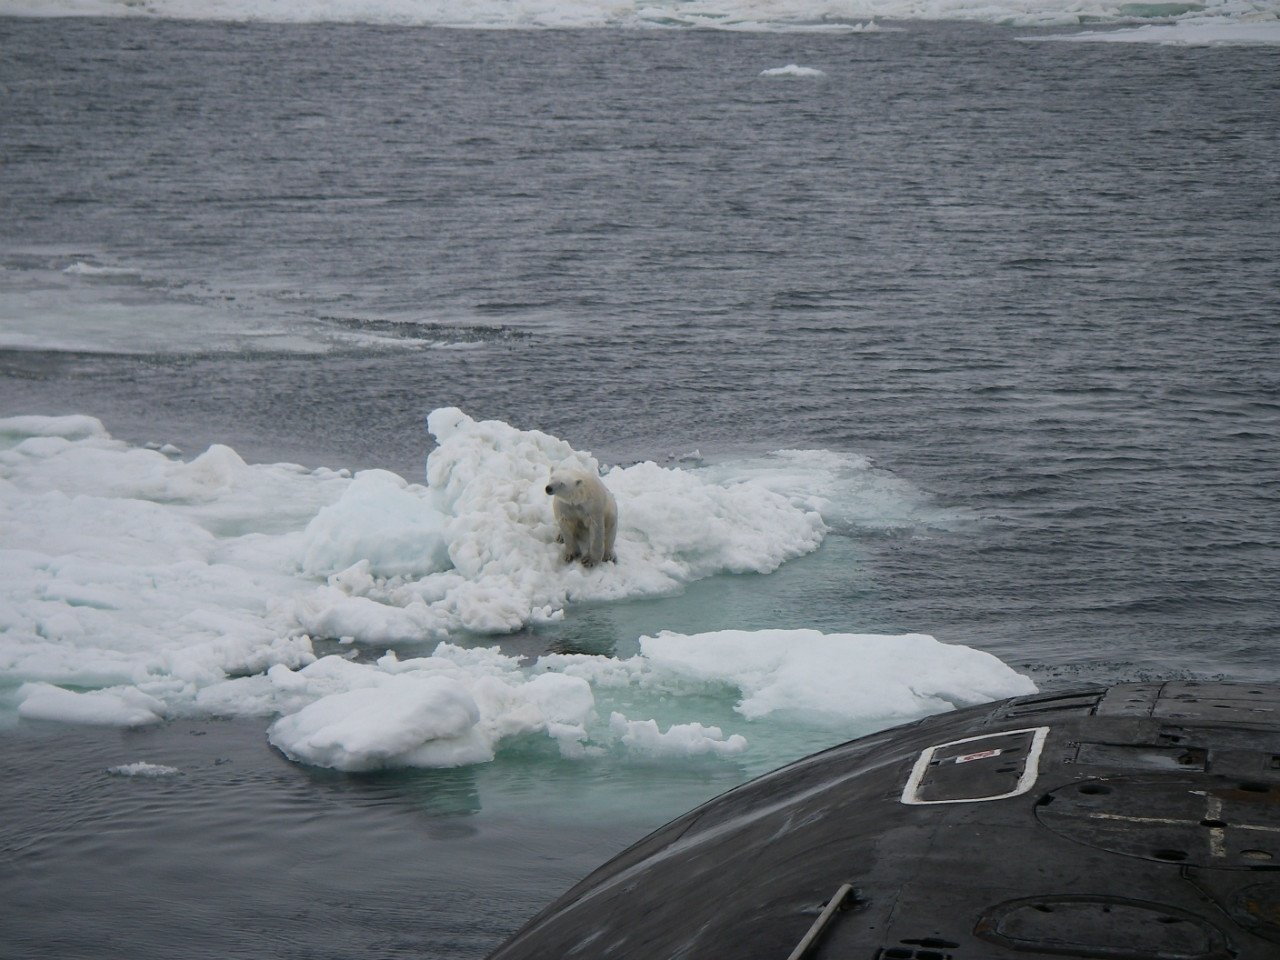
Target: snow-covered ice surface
753	15
139	587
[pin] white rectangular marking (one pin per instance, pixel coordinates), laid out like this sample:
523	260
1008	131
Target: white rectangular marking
1030	770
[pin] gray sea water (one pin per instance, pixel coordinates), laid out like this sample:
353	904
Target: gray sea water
1035	282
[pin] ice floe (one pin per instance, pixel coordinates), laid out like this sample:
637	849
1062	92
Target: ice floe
139	588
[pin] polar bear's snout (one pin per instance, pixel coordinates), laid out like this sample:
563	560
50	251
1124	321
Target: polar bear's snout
551	490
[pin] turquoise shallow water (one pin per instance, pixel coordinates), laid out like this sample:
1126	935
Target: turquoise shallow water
1034	282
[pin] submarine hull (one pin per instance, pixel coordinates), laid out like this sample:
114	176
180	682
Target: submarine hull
1135	822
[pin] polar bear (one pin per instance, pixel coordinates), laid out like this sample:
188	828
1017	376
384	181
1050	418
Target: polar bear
587	514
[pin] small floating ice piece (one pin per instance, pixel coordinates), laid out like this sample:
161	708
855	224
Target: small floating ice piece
143	769
792	70
679	740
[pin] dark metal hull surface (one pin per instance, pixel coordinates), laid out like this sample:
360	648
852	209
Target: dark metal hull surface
1139	822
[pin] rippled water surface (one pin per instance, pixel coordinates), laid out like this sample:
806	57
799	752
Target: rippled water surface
1035	282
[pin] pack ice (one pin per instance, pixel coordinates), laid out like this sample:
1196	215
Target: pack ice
139	587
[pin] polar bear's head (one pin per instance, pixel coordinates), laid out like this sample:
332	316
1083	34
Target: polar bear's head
569	485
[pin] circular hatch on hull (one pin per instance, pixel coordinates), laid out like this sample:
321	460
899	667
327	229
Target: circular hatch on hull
1106	928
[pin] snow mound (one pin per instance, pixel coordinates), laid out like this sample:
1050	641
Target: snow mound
126	571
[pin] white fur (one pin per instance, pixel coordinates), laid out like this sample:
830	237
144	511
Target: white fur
587	514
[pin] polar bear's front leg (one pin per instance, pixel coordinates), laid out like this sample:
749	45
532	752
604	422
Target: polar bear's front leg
594	546
572	530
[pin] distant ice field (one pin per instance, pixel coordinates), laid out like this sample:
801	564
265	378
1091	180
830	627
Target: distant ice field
1252	21
1188	31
